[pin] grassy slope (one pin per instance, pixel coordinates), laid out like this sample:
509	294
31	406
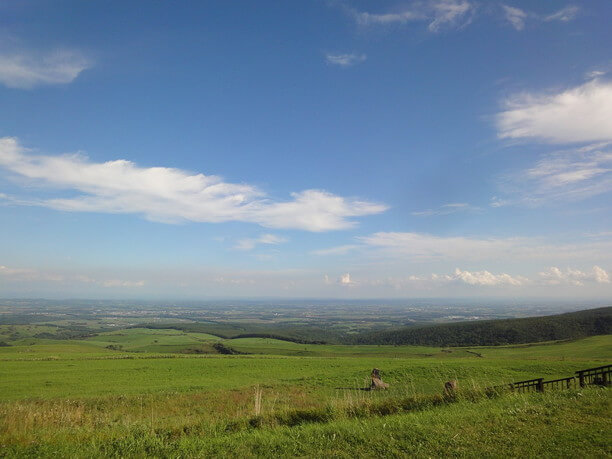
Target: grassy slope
407	369
79	398
557	424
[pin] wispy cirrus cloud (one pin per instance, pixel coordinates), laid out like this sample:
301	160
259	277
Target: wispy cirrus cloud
172	195
450	13
410	247
440	14
579	114
29	275
562	176
564	14
340	250
27	70
445	209
345	60
264	239
515	16
397	17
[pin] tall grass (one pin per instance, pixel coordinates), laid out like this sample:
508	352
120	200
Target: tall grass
569	423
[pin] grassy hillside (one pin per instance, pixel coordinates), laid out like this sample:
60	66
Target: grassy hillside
555	424
143	392
495	332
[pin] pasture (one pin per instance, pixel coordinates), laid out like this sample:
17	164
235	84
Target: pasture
169	391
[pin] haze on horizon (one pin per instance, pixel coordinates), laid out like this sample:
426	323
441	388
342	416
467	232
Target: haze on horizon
345	149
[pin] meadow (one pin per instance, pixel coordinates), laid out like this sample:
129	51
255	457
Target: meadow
138	391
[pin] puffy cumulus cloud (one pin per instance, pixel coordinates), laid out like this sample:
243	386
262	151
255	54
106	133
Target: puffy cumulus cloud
345	60
515	16
439	13
475	278
172	195
28	70
265	239
556	276
487	278
600	275
344	280
580	114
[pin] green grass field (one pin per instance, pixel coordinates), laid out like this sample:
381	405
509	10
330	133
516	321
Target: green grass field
137	392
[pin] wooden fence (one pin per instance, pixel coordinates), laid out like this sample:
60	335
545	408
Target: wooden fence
600	376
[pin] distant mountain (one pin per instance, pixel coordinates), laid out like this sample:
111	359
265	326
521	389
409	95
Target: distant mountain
495	332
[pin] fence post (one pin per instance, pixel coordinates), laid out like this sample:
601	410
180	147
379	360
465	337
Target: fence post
581	378
540	385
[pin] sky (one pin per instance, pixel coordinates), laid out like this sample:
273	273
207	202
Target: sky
315	149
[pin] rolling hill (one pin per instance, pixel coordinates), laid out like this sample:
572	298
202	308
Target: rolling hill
571	325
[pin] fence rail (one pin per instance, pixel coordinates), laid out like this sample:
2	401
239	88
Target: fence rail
530	385
563	383
599	376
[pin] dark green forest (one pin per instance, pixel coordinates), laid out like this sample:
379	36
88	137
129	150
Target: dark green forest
571	325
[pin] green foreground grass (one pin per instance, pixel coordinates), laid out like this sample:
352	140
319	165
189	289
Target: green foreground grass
82	398
555	424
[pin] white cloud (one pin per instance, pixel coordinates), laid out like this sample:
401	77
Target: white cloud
401	17
564	15
580	173
28	70
556	276
23	274
594	74
345	60
568	175
515	16
487	278
340	250
6	271
265	239
345	280
600	275
445	209
440	13
580	114
451	13
173	195
419	246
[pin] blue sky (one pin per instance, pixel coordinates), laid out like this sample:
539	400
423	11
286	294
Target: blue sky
443	148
